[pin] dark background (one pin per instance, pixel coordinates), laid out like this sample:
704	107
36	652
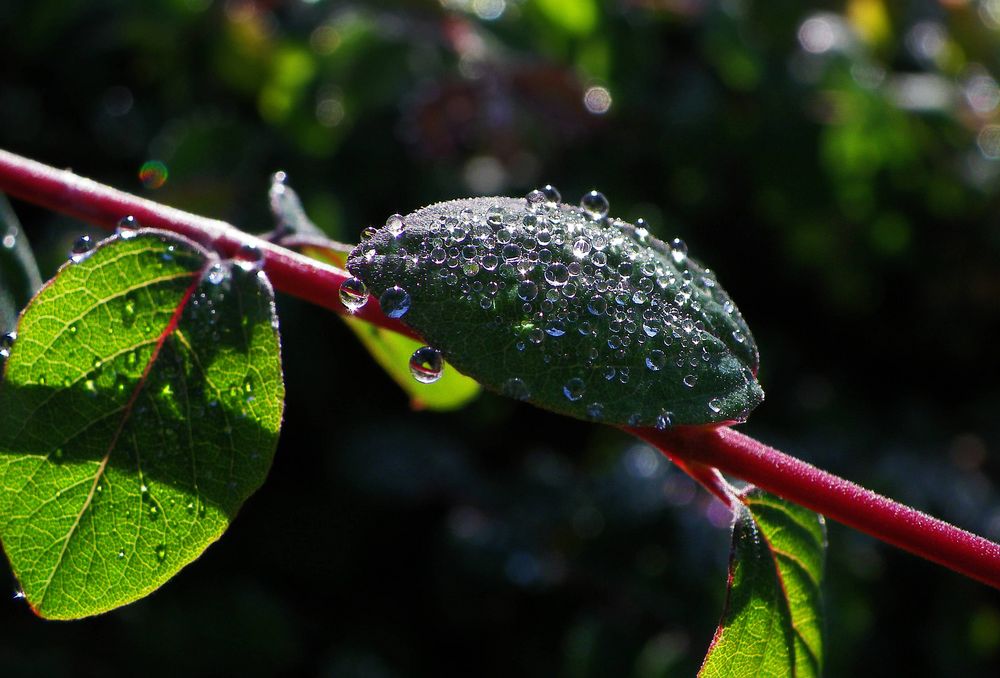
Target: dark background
835	162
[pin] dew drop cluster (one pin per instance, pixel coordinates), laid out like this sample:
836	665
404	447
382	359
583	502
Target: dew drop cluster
596	300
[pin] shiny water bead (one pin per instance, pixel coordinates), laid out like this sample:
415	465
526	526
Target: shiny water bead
595	205
574	389
7	343
81	249
353	294
656	360
527	290
678	250
556	274
426	365
395	224
126	225
395	302
552	195
664	420
250	258
536	199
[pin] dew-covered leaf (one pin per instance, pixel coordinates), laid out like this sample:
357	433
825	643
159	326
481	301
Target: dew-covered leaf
141	406
566	308
19	277
772	625
393	352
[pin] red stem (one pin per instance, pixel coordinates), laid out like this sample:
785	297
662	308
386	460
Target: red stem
842	500
94	203
699	451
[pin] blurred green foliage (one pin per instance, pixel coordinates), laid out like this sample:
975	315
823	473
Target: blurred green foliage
838	158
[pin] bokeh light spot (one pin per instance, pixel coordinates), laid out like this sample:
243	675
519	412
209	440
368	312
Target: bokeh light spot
153	174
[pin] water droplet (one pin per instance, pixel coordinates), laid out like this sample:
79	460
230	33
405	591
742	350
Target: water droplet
595	205
126	227
353	294
426	365
574	389
527	290
715	405
395	302
536	199
556	274
690	380
738	336
81	249
664	419
58	454
555	328
595	410
552	195
250	258
161	552
581	248
656	360
216	274
516	388
7	343
678	250
395	224
121	554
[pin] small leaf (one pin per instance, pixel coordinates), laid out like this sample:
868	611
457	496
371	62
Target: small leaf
392	351
578	313
772	625
19	277
141	407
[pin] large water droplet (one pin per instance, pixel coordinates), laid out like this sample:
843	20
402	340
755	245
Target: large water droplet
690	380
678	250
516	388
574	389
250	258
656	360
7	343
426	365
556	274
552	195
536	199
527	290
715	405
216	274
664	419
595	205
126	227
353	294
81	249
395	302
395	224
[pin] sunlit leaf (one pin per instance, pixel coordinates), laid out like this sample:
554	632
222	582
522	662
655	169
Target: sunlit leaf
772	625
142	402
581	314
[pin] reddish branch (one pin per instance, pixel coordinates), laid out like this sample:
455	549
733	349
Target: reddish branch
101	205
699	451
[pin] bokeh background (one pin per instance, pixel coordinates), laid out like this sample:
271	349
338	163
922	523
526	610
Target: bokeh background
838	163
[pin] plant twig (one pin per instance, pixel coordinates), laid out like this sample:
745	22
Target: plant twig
700	451
100	205
742	456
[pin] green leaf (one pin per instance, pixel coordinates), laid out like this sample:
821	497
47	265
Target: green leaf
141	407
587	316
19	278
577	18
392	351
772	625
